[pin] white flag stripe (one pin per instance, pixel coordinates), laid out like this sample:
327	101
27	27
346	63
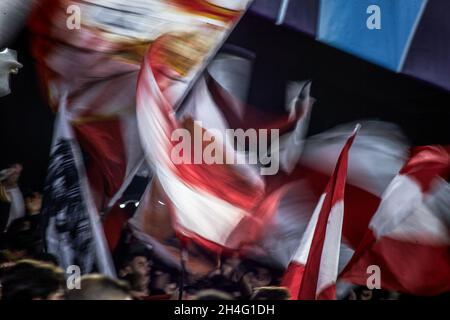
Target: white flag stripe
301	256
196	210
329	261
376	143
401	197
206	215
202	108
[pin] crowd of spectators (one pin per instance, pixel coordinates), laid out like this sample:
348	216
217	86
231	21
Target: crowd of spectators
28	272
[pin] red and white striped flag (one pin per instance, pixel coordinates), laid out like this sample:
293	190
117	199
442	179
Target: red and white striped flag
313	271
219	200
213	204
376	143
408	237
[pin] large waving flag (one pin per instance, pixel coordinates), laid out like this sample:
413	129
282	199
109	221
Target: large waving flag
408	237
217	103
74	231
303	175
93	49
219	205
314	269
210	202
376	143
97	63
378	154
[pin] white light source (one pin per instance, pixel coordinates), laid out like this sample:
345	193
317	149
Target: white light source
122	205
161	203
136	204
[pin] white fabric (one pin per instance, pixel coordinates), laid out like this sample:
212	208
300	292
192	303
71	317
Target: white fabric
292	144
406	214
398	201
329	261
233	73
377	155
284	233
202	108
17	208
301	256
206	215
231	4
439	201
195	209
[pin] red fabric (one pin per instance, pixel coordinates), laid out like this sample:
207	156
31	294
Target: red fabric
225	182
102	142
405	267
360	206
253	118
106	166
41	46
426	163
113	225
207	8
328	293
252	227
292	279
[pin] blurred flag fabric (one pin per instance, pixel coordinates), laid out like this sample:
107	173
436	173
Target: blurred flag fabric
406	36
98	63
409	236
214	219
73	229
313	271
303	175
217	102
99	69
219	206
376	143
128	71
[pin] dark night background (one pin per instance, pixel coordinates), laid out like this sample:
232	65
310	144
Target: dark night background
346	89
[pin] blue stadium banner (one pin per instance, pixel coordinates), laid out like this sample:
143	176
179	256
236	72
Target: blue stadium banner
377	30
